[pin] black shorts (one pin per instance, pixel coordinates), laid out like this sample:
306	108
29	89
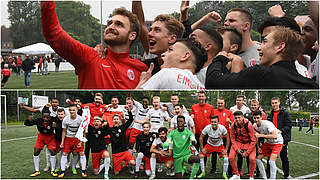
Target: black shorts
4	79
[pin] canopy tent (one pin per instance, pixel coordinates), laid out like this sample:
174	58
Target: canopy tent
35	49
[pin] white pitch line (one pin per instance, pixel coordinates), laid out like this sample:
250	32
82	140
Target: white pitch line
308	175
16	139
305	144
279	170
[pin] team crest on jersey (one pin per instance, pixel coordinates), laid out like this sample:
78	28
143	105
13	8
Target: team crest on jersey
205	111
117	135
48	127
184	136
130	74
119	130
99	132
151	139
101	109
224	114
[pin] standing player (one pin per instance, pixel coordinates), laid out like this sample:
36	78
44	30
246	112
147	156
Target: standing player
240	105
179	112
45	137
69	142
98	148
58	135
131	134
214	144
120	151
170	106
143	145
181	139
163	155
271	148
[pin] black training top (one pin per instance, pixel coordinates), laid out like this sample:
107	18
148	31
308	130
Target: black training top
96	138
144	143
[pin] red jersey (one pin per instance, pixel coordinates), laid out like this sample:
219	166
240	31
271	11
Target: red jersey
202	115
40	62
6	72
94	110
243	136
115	71
19	62
223	115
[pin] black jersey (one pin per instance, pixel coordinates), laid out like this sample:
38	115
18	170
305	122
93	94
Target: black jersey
118	136
96	138
144	143
45	128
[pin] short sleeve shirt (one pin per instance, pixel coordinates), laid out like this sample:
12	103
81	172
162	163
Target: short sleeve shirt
71	126
126	115
266	128
158	144
188	122
251	56
215	136
244	109
157	118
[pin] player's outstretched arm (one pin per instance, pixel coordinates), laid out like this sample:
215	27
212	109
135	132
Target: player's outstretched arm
29	121
213	17
184	7
30	109
143	36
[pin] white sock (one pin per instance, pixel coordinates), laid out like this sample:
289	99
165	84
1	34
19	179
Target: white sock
53	162
64	160
153	163
202	164
225	164
83	162
148	172
139	160
273	171
261	168
106	165
36	162
131	151
74	161
48	154
102	166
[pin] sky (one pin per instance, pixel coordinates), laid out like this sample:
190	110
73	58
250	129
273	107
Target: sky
151	8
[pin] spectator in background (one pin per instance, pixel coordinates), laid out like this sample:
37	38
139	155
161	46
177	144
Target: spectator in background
27	66
45	65
40	66
5	73
311	126
300	125
19	63
57	63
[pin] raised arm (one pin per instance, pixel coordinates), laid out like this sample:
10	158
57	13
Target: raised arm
30	109
213	17
184	7
30	122
314	12
138	10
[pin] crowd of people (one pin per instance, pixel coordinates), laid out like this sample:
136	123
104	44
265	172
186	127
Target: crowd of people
223	58
138	136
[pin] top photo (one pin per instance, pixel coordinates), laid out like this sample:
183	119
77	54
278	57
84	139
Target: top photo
159	45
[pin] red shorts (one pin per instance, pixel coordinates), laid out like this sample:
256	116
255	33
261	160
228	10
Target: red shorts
118	158
96	159
146	163
164	159
133	135
46	139
70	144
268	149
128	132
58	143
210	149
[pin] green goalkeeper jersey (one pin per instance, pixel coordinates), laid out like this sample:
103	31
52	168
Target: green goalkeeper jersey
181	142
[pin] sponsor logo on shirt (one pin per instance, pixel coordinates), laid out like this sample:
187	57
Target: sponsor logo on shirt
130	74
224	114
184	137
252	62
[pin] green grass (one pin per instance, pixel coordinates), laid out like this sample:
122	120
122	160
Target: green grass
17	162
56	80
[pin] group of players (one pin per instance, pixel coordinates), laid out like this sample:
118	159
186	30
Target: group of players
138	128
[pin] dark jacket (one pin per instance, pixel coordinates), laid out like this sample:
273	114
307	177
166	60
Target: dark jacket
284	124
280	75
157	66
27	65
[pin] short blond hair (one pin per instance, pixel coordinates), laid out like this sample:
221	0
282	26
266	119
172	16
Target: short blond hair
156	98
173	25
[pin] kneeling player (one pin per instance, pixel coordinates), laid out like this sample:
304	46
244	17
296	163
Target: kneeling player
163	155
98	148
120	151
45	137
271	148
69	142
214	144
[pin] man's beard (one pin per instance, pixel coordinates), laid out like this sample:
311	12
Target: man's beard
116	42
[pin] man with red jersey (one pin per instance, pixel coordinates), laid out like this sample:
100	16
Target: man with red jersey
201	114
5	73
117	70
243	143
226	119
45	137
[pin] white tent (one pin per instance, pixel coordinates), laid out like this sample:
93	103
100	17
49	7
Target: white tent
35	49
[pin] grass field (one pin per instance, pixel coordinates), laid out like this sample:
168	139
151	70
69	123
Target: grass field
55	80
17	161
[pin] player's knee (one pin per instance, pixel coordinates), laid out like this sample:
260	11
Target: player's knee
132	162
106	154
52	152
96	171
36	152
201	156
116	172
81	154
153	155
140	155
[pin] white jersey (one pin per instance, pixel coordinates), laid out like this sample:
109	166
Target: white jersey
71	126
244	109
126	115
173	78
201	75
266	128
170	109
156	118
215	136
55	113
141	115
118	109
303	71
251	56
189	123
159	144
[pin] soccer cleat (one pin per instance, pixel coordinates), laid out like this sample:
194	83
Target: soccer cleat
235	177
36	173
240	173
106	176
57	170
54	174
159	168
84	174
74	172
131	170
224	176
251	178
171	172
152	176
46	168
183	170
61	175
136	175
203	173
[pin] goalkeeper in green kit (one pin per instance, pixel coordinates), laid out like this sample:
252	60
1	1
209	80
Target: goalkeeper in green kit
181	139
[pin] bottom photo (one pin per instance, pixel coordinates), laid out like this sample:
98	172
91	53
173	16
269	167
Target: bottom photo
51	134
